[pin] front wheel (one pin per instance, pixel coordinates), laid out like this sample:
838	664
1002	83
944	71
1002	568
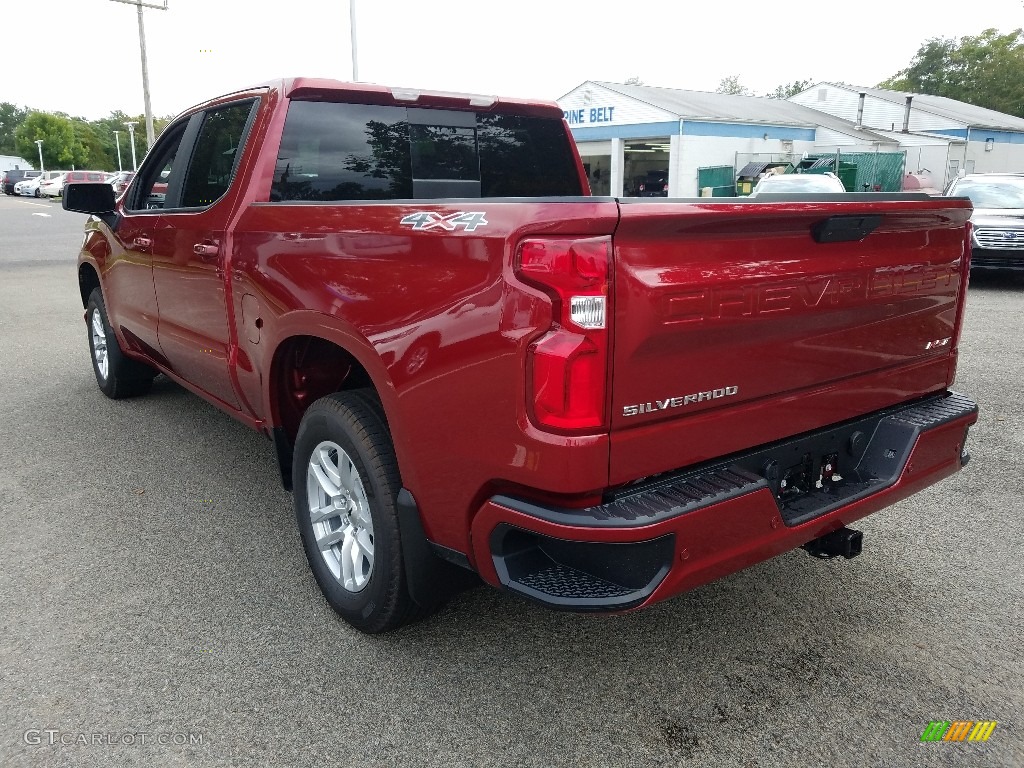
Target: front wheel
345	482
117	375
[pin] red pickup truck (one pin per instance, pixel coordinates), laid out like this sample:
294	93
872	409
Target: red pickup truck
468	365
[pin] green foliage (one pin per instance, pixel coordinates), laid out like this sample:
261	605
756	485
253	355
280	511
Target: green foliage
790	89
732	84
986	70
61	149
74	141
10	118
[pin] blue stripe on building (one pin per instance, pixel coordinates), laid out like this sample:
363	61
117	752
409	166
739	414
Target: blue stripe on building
642	131
746	130
998	137
693	128
983	134
960	133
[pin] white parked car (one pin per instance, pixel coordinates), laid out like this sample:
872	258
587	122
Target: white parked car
798	183
28	187
54	186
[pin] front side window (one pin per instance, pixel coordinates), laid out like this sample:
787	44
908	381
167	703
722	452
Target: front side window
216	155
333	151
149	192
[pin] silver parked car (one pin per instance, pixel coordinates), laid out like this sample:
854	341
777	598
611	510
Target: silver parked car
998	218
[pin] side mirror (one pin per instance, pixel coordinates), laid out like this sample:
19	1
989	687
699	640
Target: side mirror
95	199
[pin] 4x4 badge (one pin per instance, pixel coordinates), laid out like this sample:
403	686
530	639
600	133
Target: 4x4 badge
468	220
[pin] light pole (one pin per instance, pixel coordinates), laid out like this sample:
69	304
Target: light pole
145	65
131	138
117	138
352	29
39	143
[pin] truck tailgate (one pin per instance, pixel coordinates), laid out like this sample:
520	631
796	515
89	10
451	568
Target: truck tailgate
740	323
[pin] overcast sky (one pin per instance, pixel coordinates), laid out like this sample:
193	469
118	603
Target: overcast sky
87	63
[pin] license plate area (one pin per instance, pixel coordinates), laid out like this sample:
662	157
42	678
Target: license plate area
815	474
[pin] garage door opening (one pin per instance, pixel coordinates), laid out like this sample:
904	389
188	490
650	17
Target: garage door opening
646	168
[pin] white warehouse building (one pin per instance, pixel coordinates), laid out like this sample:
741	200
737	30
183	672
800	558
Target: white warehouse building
978	140
640	140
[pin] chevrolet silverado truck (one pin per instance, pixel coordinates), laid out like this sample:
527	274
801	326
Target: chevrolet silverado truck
470	367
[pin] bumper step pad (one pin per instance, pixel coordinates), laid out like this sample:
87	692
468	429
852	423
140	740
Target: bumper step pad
808	475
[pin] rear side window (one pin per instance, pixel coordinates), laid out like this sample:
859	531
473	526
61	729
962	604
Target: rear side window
331	151
343	152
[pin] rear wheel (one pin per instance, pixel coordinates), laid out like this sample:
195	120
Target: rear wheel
346	483
117	375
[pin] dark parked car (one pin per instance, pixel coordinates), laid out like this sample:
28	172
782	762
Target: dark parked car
12	177
998	239
654	184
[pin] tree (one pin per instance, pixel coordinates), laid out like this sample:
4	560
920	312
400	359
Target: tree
790	89
61	148
10	118
986	70
731	84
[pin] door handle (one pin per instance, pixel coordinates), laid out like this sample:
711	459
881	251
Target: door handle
142	243
205	249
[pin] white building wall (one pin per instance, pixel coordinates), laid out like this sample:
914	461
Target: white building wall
590	106
1004	158
590	148
833	101
675	156
11	162
705	151
933	158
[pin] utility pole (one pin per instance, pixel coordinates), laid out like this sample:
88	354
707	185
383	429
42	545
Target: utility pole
352	29
39	143
131	135
117	138
150	134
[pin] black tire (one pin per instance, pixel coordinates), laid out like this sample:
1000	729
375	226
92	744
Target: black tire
124	377
353	422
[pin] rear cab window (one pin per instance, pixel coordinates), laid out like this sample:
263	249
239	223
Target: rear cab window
346	152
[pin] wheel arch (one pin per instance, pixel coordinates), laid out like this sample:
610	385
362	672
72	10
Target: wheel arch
314	361
88	280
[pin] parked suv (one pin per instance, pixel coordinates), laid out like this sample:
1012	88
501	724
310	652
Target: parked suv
12	177
997	241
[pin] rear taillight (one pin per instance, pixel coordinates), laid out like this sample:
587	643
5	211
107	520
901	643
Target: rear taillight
567	367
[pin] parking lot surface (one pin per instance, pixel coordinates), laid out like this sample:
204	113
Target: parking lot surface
153	586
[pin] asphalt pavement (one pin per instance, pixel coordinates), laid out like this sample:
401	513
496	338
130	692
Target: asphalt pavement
156	608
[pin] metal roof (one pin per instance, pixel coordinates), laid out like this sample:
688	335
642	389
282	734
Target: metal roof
718	107
724	107
959	111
